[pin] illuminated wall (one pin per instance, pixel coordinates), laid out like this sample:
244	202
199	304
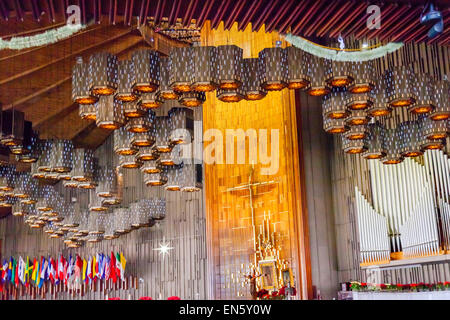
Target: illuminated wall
229	218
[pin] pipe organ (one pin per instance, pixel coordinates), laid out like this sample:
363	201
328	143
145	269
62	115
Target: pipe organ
410	209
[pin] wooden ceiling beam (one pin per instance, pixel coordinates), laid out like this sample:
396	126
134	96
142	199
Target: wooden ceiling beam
44	76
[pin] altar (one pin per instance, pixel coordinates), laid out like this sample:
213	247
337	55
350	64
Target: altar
430	295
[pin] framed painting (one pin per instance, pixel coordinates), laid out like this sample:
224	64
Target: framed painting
268	272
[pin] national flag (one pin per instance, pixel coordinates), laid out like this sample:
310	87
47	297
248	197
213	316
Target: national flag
78	267
113	267
94	270
42	272
5	270
107	267
61	263
123	262
89	268
21	271
28	270
119	266
35	270
38	272
83	274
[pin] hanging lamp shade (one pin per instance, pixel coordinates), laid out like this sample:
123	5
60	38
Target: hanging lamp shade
232	95
126	80
108	184
229	67
133	109
442	100
338	73
151	166
109	229
81	81
273	68
400	87
22	186
147	154
361	101
174	178
411	137
181	122
181	68
109	113
364	77
392	145
20	209
147	73
158	209
62	156
334	105
335	126
191	177
129	162
297	68
134	210
380	107
252	85
83	165
97	223
356	132
144	139
375	142
25	146
353	146
88	111
6	179
162	127
122	217
171	158
423	93
435	130
43	163
34	151
204	78
357	118
12	123
103	74
122	142
316	72
155	179
150	100
95	203
166	92
143	124
192	99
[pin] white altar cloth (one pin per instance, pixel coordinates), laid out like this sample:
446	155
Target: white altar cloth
432	295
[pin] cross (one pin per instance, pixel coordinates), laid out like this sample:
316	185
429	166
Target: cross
249	186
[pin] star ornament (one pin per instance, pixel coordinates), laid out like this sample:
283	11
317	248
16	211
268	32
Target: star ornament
164	248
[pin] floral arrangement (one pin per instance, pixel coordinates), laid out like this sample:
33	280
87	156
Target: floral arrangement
263	294
413	287
145	298
173	298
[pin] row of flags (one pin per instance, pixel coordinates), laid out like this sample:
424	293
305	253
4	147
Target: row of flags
67	271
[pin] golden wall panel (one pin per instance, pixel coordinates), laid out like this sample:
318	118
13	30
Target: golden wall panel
229	218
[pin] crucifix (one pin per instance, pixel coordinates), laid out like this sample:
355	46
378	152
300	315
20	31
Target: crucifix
249	186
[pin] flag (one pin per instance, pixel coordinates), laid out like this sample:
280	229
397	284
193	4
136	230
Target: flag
43	269
35	267
61	268
89	268
28	270
113	267
21	271
70	268
107	267
94	271
118	267
15	272
5	270
84	270
123	262
78	267
38	272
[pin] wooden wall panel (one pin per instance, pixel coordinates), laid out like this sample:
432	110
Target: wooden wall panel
317	146
230	237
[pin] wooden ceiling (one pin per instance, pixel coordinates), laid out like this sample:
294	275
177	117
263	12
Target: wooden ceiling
309	18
